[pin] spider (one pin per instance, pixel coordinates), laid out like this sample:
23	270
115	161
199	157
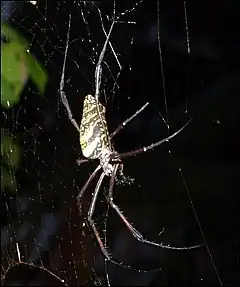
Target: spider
95	143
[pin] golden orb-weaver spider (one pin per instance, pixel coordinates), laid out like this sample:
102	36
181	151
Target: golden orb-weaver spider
95	143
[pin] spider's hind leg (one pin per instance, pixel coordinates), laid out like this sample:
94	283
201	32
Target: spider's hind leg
130	227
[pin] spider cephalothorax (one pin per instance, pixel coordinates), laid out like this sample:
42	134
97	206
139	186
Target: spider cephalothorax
108	159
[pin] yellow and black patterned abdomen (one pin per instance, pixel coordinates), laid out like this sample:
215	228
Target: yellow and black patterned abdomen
94	134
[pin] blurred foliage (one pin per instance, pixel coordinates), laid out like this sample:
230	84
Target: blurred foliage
10	157
18	65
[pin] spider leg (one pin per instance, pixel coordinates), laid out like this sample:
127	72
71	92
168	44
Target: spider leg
98	70
97	235
66	104
98	74
79	161
62	93
153	145
106	35
120	127
130	227
91	177
91	221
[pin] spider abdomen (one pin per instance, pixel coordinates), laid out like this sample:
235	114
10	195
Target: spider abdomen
94	136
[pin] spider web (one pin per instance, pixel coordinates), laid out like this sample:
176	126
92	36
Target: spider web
171	56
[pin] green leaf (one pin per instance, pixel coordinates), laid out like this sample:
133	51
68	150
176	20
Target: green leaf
14	73
10	156
37	72
7	180
13	36
17	66
9	92
10	152
13	62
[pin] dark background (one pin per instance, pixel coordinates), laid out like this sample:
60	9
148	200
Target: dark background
202	84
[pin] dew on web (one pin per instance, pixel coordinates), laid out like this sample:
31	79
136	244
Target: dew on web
174	194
